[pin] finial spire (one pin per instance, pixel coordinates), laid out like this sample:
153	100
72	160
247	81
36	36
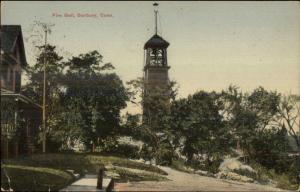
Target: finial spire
155	12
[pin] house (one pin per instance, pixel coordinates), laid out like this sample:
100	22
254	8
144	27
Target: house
20	116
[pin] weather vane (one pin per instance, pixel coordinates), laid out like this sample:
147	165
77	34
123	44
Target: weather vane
155	12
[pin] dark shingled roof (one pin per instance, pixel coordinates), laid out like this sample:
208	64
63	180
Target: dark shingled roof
10	35
156	42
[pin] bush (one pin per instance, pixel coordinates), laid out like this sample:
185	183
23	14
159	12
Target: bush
165	156
263	175
294	169
268	147
246	172
214	166
126	175
123	150
146	153
283	180
179	165
122	162
53	146
289	166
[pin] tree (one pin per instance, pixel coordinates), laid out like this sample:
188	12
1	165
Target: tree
155	130
265	105
132	126
34	89
251	116
198	120
268	145
289	116
95	95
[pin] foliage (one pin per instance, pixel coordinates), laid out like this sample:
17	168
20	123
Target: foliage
180	165
34	89
83	100
94	97
155	130
293	169
132	126
127	175
246	172
250	117
122	150
8	109
198	120
54	68
267	145
282	180
289	116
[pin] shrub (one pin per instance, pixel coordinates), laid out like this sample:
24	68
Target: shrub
123	150
246	172
165	156
126	175
211	166
294	169
179	165
283	182
264	175
214	166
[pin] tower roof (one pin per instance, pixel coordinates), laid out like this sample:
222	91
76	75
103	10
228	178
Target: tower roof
156	42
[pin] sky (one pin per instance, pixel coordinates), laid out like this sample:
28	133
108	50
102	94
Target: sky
212	44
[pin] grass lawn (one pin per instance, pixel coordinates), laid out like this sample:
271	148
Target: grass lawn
33	178
38	172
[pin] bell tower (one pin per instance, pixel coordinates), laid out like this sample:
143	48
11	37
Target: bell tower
155	64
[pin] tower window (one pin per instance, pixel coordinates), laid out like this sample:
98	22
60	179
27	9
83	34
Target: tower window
157	57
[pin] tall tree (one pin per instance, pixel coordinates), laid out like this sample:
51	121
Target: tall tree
198	120
54	70
251	116
95	95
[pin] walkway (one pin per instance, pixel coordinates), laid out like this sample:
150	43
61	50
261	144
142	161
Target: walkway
87	183
181	181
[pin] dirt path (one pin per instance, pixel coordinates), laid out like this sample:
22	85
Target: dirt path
181	181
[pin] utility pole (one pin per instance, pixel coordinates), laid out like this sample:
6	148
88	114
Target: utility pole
44	28
44	90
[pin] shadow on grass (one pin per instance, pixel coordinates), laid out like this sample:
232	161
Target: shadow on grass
41	171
